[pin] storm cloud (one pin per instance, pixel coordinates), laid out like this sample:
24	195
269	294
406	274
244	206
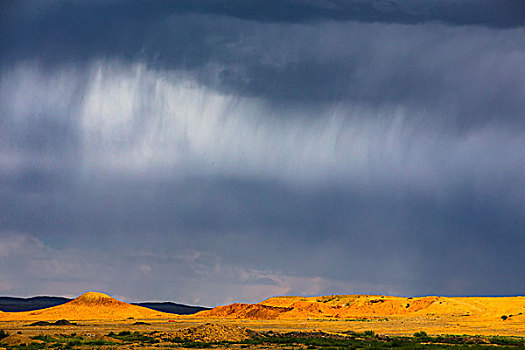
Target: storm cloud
209	152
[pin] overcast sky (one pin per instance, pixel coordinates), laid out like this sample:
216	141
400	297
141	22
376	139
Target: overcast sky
210	152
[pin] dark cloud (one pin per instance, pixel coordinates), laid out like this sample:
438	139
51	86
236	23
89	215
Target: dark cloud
417	245
225	153
432	67
428	67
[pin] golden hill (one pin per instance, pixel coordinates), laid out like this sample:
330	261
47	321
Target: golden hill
358	306
88	306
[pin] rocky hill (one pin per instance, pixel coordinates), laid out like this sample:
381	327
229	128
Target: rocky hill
357	306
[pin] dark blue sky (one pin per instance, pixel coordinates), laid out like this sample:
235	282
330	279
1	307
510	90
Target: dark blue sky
215	151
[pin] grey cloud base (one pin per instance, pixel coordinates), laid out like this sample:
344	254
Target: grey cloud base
225	155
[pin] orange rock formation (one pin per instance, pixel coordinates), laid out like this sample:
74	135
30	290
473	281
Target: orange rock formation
245	311
356	306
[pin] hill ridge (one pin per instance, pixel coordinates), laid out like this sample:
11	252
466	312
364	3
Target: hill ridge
367	305
88	306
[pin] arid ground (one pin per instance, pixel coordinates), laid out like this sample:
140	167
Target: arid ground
95	319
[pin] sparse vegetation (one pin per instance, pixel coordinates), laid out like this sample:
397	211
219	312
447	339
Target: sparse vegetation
62	342
57	323
328	298
420	334
367	341
141	323
292	340
136	336
32	346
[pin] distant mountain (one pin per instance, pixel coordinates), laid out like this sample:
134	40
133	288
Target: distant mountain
173	308
13	304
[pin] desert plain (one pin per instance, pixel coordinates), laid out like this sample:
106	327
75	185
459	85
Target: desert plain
96	320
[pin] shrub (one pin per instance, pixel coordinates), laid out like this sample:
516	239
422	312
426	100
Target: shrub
420	334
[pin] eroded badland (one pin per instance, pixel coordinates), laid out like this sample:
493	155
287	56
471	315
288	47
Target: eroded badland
96	320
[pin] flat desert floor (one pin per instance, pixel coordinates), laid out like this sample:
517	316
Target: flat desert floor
391	326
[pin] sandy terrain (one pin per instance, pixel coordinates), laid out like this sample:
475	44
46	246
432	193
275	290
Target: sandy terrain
386	314
100	314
